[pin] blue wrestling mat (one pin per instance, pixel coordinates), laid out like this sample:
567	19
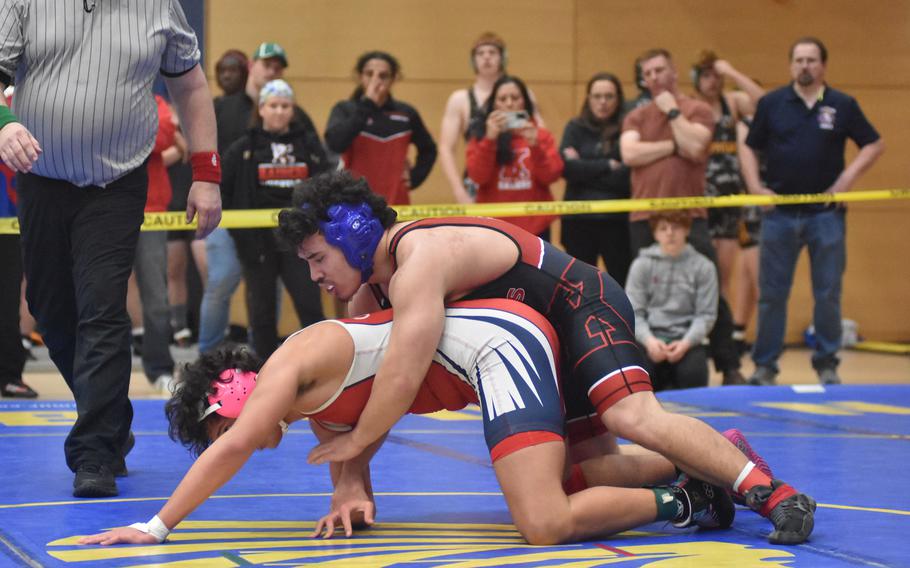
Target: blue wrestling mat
438	501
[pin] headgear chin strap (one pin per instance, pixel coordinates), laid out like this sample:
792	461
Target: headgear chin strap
231	391
356	231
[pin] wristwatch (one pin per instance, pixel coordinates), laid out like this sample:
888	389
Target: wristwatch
673	113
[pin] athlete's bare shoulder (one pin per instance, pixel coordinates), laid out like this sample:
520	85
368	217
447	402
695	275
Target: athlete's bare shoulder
458	104
320	356
465	256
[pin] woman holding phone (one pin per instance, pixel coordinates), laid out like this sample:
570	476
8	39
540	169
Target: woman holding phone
512	157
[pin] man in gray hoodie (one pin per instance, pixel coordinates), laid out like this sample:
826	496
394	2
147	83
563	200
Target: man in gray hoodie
673	290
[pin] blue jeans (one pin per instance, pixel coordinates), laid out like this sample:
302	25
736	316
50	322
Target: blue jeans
224	273
783	235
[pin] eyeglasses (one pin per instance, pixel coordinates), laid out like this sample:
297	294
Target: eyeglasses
602	96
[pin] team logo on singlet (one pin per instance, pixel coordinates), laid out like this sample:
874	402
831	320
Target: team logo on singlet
517	294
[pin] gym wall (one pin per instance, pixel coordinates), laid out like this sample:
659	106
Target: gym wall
555	45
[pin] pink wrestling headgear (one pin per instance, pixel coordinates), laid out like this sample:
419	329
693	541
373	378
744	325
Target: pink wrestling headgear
231	391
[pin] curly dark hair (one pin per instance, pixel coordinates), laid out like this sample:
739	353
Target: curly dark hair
313	198
195	384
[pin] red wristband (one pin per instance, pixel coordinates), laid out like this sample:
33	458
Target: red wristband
206	166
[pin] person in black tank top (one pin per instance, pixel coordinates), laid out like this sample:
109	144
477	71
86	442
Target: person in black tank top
726	225
464	115
349	237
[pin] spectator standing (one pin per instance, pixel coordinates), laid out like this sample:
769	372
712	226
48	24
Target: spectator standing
372	131
12	363
260	172
181	244
513	158
665	143
801	131
722	176
82	189
151	264
232	71
234	114
673	290
594	170
464	110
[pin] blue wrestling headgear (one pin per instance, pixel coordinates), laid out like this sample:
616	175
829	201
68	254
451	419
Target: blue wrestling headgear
357	232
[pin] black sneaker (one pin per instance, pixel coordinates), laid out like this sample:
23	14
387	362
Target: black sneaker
94	480
791	513
119	468
705	505
17	389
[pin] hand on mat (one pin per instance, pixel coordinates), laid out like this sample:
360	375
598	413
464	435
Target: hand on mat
349	514
123	535
338	449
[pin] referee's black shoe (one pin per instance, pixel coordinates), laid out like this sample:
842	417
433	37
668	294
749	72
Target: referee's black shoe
94	480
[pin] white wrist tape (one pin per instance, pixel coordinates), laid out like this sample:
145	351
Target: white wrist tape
154	527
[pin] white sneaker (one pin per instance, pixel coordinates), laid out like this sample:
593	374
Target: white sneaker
165	384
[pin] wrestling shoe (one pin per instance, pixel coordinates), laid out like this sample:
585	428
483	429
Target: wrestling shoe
705	505
791	513
739	440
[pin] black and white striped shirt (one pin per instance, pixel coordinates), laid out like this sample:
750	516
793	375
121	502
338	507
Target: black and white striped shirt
84	79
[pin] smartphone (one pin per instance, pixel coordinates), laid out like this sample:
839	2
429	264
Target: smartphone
516	119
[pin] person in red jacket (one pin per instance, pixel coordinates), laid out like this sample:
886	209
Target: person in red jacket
150	264
373	132
513	158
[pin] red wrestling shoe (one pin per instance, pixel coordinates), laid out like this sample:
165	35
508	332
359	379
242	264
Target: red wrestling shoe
738	439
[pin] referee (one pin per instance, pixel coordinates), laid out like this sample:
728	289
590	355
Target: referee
84	126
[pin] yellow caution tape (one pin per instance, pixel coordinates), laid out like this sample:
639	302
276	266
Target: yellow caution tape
883	347
265	218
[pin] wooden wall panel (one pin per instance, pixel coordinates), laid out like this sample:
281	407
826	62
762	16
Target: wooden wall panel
557	44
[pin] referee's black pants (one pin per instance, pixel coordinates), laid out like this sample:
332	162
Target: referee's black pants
78	246
12	354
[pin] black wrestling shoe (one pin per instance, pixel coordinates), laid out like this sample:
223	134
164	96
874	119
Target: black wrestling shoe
119	468
705	505
791	513
94	480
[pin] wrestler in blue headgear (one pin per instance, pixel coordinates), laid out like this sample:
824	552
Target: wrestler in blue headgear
344	209
356	231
